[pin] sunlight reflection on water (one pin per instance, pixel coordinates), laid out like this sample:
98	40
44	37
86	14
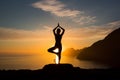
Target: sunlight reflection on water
37	62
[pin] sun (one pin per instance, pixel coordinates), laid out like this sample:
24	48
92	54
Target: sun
57	60
56	50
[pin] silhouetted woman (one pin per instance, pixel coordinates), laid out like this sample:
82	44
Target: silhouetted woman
58	45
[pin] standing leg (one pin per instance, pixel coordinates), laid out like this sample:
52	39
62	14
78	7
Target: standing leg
59	54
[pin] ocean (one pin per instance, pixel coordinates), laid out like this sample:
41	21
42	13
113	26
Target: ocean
34	62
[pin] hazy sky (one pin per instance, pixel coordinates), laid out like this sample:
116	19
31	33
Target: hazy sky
26	25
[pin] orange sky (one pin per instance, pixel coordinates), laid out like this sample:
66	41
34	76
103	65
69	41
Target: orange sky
38	44
39	40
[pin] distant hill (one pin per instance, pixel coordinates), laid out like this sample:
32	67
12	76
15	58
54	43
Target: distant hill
71	52
105	51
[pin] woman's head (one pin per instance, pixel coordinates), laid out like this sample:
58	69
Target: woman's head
58	31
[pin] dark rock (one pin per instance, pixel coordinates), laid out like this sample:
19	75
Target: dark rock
106	51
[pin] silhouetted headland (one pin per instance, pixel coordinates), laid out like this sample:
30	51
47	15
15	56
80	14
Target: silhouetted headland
60	72
106	51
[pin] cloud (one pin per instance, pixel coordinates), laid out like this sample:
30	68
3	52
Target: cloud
83	36
92	32
83	19
11	34
59	9
55	7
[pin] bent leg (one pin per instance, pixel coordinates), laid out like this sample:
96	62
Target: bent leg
51	49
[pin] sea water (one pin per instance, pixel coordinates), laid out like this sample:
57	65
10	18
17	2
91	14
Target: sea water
39	61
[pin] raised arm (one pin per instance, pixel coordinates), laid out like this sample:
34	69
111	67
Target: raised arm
55	29
63	30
